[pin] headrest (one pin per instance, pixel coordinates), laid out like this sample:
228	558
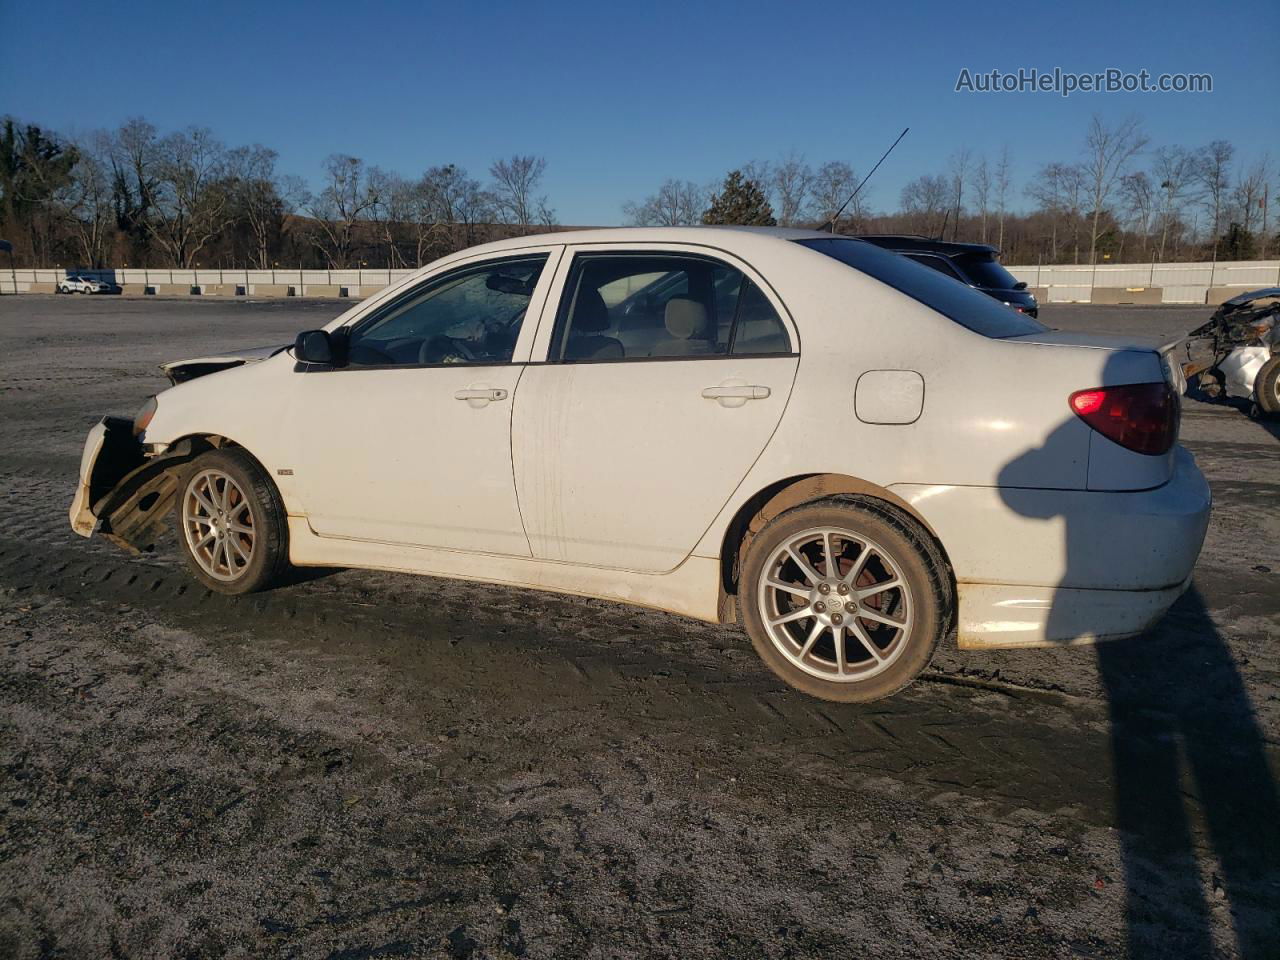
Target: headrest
590	315
685	318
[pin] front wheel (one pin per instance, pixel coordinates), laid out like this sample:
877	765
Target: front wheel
844	599
231	523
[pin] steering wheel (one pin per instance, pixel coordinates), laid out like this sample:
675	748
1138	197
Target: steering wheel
442	349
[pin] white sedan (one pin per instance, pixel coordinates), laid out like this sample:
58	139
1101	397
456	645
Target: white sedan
847	453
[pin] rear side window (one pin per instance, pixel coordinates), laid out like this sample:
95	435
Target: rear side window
959	302
935	263
643	306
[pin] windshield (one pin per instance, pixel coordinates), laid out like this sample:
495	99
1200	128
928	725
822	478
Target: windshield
987	272
964	305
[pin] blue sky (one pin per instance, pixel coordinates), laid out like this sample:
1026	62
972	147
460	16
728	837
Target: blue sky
619	96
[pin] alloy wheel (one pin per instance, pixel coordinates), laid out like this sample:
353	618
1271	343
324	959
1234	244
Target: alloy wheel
835	604
218	525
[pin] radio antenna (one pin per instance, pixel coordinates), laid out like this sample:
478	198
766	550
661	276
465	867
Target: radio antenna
836	216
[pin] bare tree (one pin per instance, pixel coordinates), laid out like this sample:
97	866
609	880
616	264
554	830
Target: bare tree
791	181
1108	152
1138	195
832	185
982	193
342	203
926	202
957	172
1213	172
134	179
86	201
678	203
515	186
192	196
1249	195
462	202
1003	183
392	208
1059	189
1174	170
263	199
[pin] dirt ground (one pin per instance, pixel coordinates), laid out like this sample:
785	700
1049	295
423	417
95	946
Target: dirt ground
370	765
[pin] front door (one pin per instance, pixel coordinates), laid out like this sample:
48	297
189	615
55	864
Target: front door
667	374
409	441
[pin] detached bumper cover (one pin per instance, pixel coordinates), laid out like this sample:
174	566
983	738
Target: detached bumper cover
121	494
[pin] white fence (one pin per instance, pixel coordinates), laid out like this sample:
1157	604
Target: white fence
295	282
1055	283
1176	282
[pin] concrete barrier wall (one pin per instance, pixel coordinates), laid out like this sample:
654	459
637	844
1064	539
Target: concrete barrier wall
1177	282
1054	283
256	282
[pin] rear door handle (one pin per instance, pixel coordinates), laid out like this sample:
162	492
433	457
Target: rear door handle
739	392
481	393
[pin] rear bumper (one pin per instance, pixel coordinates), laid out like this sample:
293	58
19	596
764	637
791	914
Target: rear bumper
1043	567
995	616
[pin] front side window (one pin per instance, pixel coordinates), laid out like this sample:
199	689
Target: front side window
649	306
472	315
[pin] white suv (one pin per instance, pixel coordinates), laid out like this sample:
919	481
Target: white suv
81	284
844	451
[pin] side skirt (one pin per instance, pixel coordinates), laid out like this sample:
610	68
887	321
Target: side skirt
692	589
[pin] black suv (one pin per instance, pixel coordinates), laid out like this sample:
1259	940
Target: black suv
974	264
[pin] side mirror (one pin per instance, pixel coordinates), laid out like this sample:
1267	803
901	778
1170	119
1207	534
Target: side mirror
1020	285
312	346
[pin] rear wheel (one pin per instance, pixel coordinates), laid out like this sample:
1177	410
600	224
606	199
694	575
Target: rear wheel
231	524
844	600
1266	387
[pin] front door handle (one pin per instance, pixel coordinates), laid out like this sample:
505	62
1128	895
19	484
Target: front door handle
479	396
734	394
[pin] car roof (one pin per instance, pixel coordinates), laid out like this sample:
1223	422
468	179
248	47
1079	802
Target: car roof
725	237
915	244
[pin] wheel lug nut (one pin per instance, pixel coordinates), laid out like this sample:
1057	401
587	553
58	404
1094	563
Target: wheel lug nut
820	607
851	606
824	588
842	589
837	618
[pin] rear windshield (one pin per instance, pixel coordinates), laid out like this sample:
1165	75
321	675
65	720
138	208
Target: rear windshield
986	272
966	306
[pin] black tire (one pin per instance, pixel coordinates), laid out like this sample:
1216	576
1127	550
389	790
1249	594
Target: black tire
1266	387
268	546
920	565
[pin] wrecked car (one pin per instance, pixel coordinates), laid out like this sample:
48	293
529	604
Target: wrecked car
731	424
1237	353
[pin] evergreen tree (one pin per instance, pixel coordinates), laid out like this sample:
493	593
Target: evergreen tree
740	201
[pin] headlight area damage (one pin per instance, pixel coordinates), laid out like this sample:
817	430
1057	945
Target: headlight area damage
123	494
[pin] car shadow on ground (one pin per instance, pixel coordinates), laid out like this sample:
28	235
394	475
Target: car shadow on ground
1187	759
1196	805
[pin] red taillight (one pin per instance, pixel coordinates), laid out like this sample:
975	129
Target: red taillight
1142	417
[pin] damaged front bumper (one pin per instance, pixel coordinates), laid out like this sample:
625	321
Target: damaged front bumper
123	494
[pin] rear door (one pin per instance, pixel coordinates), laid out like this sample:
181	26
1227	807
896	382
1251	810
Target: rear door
666	373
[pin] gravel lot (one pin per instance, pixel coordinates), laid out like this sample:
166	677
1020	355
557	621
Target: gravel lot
374	765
